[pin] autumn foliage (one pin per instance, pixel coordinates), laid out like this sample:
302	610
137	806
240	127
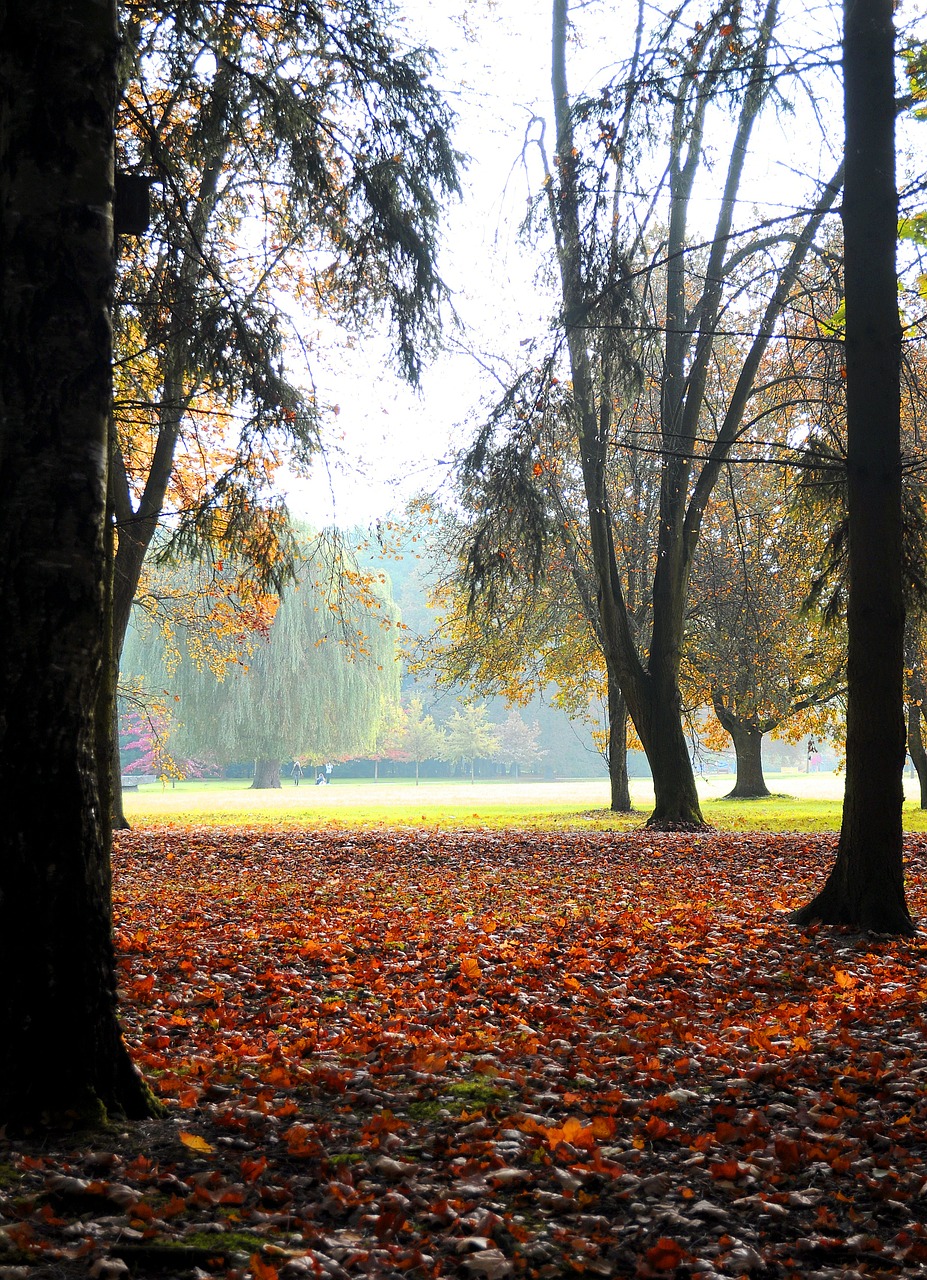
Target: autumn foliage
490	1054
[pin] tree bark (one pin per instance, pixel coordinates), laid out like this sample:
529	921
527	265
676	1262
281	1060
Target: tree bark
916	749
61	1049
676	802
618	750
865	888
747	737
748	747
266	775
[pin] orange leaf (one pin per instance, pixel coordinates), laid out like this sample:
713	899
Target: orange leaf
251	1170
604	1127
665	1255
657	1128
260	1269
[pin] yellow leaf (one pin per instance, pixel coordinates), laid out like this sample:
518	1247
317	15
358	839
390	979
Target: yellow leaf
195	1142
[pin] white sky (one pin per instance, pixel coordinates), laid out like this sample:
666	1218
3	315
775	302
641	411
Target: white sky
387	442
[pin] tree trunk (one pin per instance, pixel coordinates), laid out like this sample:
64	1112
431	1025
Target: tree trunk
618	750
747	738
748	746
676	804
916	749
655	706
61	1050
266	775
865	888
652	695
119	821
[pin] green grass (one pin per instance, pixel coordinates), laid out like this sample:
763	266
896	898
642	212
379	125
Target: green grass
802	803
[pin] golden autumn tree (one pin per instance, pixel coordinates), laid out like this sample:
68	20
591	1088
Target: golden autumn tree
761	661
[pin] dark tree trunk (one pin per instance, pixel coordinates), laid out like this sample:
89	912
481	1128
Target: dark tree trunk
119	820
748	746
747	738
676	802
61	1049
865	888
618	750
658	720
266	775
916	749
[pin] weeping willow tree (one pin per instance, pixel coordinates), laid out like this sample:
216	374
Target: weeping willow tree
316	687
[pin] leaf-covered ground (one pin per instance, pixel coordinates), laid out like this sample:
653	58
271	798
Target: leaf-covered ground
485	1055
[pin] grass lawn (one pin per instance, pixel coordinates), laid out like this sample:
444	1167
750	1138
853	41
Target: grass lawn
802	802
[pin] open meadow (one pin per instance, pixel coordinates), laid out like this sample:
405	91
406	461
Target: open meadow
801	802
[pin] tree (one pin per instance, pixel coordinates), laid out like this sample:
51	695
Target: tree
319	687
761	661
865	888
297	149
420	738
525	641
61	1052
469	737
646	310
916	691
518	742
387	744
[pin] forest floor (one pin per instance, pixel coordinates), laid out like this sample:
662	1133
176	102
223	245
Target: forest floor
488	1054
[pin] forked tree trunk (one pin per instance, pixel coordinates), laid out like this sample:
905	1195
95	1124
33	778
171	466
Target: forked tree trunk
266	775
747	738
61	1048
865	888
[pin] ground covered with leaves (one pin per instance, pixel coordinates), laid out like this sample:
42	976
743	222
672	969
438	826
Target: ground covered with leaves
489	1055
